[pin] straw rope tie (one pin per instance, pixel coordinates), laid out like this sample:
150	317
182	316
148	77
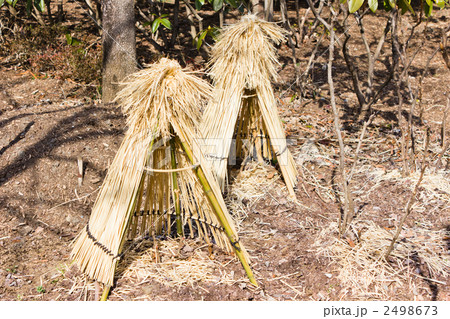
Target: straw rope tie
279	153
102	246
216	157
149	169
157	212
234	244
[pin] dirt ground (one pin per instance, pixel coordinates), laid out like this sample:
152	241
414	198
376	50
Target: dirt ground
42	206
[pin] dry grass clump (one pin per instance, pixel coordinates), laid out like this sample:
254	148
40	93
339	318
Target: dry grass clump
251	184
363	269
436	184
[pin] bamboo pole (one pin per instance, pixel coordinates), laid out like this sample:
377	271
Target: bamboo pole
220	214
105	293
175	188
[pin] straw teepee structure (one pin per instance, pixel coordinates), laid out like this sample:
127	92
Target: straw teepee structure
243	107
158	183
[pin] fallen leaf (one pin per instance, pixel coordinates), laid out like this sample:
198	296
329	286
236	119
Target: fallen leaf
351	242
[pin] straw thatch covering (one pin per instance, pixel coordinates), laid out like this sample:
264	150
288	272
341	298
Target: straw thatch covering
158	183
243	107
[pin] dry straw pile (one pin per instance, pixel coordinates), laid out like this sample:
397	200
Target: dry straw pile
243	107
364	273
158	183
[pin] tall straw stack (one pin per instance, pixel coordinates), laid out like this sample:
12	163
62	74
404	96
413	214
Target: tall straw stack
158	181
243	106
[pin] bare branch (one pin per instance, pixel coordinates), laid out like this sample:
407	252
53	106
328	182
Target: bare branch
348	200
411	200
353	73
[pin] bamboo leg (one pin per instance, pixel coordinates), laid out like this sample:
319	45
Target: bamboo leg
220	214
256	131
105	293
175	189
138	207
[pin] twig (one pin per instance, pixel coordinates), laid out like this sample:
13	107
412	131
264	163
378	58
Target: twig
443	46
410	129
285	276
361	138
353	73
411	200
424	73
191	11
321	20
80	170
295	290
73	200
444	120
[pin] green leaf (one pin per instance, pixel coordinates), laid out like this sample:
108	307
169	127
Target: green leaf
440	3
217	4
76	41
201	37
387	7
68	38
232	3
392	3
342	1
373	5
29	6
199	4
40	5
405	5
427	8
12	3
166	23
2	2
155	25
354	5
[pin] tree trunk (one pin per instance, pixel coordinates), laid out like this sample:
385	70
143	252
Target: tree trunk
119	45
258	8
268	7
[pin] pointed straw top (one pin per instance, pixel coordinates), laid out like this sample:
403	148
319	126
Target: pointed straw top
156	96
249	45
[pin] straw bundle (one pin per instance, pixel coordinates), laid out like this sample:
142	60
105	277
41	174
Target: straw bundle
243	107
157	183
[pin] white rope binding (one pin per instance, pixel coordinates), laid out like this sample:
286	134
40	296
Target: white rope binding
154	170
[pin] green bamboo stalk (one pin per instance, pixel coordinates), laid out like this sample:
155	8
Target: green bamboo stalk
105	293
220	214
175	188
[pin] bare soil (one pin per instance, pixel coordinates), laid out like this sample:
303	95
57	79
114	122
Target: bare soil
42	207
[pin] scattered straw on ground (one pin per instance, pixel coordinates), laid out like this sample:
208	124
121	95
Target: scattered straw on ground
181	263
252	184
365	274
436	184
